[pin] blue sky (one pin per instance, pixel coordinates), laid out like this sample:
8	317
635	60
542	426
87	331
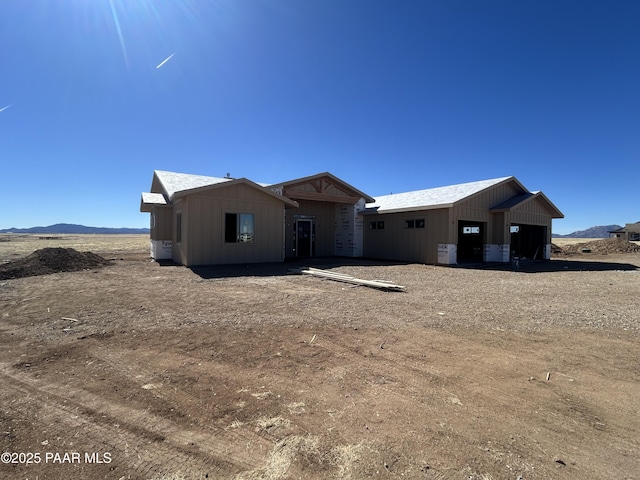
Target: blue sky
390	96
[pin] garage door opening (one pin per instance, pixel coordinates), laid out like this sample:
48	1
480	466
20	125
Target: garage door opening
528	241
470	241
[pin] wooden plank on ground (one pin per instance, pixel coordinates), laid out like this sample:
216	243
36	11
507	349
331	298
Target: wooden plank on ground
342	277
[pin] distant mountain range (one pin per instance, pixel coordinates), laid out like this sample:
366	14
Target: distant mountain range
75	229
69	228
601	231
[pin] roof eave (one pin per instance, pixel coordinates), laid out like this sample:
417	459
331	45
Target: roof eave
556	212
146	206
420	208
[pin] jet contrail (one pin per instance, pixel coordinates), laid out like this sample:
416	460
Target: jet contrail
165	60
4	108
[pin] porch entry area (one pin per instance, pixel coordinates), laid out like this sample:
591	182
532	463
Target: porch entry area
304	233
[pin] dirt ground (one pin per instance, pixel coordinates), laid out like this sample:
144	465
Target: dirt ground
141	370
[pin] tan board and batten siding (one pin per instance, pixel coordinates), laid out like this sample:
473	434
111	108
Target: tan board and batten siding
161	223
395	242
203	216
342	222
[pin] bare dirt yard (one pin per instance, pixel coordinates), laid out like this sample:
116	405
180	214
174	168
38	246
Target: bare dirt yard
141	370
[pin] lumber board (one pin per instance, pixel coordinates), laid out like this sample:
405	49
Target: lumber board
342	277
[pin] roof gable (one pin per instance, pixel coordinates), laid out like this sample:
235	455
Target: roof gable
237	181
321	187
519	201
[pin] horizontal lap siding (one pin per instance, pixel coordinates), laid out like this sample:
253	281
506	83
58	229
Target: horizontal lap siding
207	211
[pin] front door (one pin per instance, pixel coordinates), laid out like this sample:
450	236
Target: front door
304	238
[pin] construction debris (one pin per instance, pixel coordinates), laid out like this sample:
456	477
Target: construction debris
603	246
342	277
51	260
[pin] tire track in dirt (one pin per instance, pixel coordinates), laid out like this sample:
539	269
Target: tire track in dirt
484	397
144	367
406	389
156	445
413	373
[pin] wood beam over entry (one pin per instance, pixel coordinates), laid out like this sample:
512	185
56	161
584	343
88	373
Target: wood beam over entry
319	197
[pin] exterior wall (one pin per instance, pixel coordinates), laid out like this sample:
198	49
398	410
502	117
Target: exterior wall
349	230
477	208
438	242
161	249
179	249
338	228
498	229
632	232
497	234
396	242
324	214
496	248
204	227
161	233
161	227
533	213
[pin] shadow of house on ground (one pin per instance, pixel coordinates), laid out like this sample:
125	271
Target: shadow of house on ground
282	268
553	265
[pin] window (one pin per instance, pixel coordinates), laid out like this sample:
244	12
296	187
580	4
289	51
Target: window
179	227
471	230
238	228
376	225
414	223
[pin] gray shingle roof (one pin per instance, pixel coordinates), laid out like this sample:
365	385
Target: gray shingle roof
176	182
440	197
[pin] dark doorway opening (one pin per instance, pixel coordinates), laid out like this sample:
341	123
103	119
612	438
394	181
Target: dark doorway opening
528	241
470	241
305	237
